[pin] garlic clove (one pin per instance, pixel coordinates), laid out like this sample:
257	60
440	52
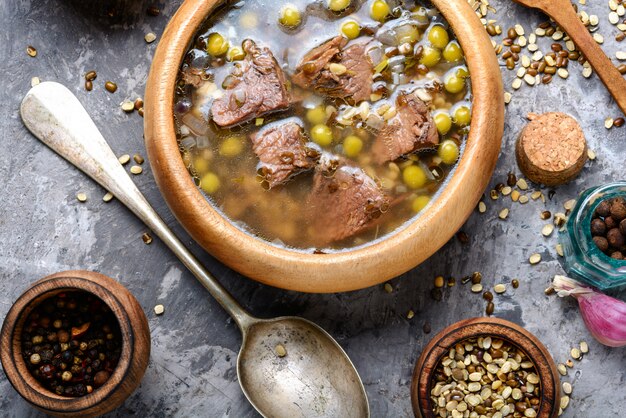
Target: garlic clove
604	316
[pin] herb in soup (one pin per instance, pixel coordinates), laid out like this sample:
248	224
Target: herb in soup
322	124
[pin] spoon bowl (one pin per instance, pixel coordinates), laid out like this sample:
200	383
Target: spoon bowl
312	377
315	378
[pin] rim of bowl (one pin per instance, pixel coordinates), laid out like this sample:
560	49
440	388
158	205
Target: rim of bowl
523	339
349	269
18	374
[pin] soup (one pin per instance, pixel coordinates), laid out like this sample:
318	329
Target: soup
322	125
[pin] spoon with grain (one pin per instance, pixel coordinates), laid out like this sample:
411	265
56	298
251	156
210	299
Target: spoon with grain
287	366
563	13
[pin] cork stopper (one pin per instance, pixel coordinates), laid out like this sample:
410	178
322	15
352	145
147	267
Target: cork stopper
551	149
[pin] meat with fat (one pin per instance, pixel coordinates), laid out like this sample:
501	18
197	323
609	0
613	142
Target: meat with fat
283	152
343	203
335	71
410	130
257	86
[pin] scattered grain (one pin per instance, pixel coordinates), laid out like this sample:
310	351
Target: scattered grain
150	37
280	350
128	106
584	347
477	288
81	197
136	170
534	258
499	288
159	309
547	230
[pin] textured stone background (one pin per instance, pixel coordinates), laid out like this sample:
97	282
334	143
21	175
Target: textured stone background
43	229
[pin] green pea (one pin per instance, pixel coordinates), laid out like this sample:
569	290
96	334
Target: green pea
351	29
453	52
430	56
454	84
462	71
462	115
352	146
231	147
210	183
217	45
443	121
420	203
448	152
322	135
438	36
235	54
316	115
380	10
414	177
290	16
338	5
201	165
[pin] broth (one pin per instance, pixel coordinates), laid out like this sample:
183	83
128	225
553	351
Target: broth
412	53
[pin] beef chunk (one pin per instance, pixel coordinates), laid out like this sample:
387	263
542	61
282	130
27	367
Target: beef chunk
282	152
258	87
343	204
410	130
351	79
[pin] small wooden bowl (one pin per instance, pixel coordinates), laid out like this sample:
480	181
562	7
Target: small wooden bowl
345	270
441	343
135	345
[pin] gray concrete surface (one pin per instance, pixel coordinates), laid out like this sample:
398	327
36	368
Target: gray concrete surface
43	229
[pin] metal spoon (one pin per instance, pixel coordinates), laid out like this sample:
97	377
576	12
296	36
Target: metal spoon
311	377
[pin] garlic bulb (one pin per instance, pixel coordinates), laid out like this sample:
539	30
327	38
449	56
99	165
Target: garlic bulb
604	316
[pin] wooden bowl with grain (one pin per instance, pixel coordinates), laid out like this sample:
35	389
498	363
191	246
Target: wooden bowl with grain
456	335
125	377
343	270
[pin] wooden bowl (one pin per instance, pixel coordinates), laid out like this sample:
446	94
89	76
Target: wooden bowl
350	269
440	345
135	345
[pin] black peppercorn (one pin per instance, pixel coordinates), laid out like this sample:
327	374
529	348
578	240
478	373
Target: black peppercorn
602	243
618	209
67	356
622	227
68	338
598	227
47	371
610	223
617	255
615	238
604	209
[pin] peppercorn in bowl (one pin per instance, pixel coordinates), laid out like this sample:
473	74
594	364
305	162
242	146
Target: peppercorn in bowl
323	145
485	367
75	344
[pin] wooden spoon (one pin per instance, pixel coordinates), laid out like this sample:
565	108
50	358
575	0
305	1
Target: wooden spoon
563	13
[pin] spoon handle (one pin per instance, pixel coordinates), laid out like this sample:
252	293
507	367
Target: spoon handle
55	116
563	13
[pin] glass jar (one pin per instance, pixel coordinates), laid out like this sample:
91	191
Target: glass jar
583	259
